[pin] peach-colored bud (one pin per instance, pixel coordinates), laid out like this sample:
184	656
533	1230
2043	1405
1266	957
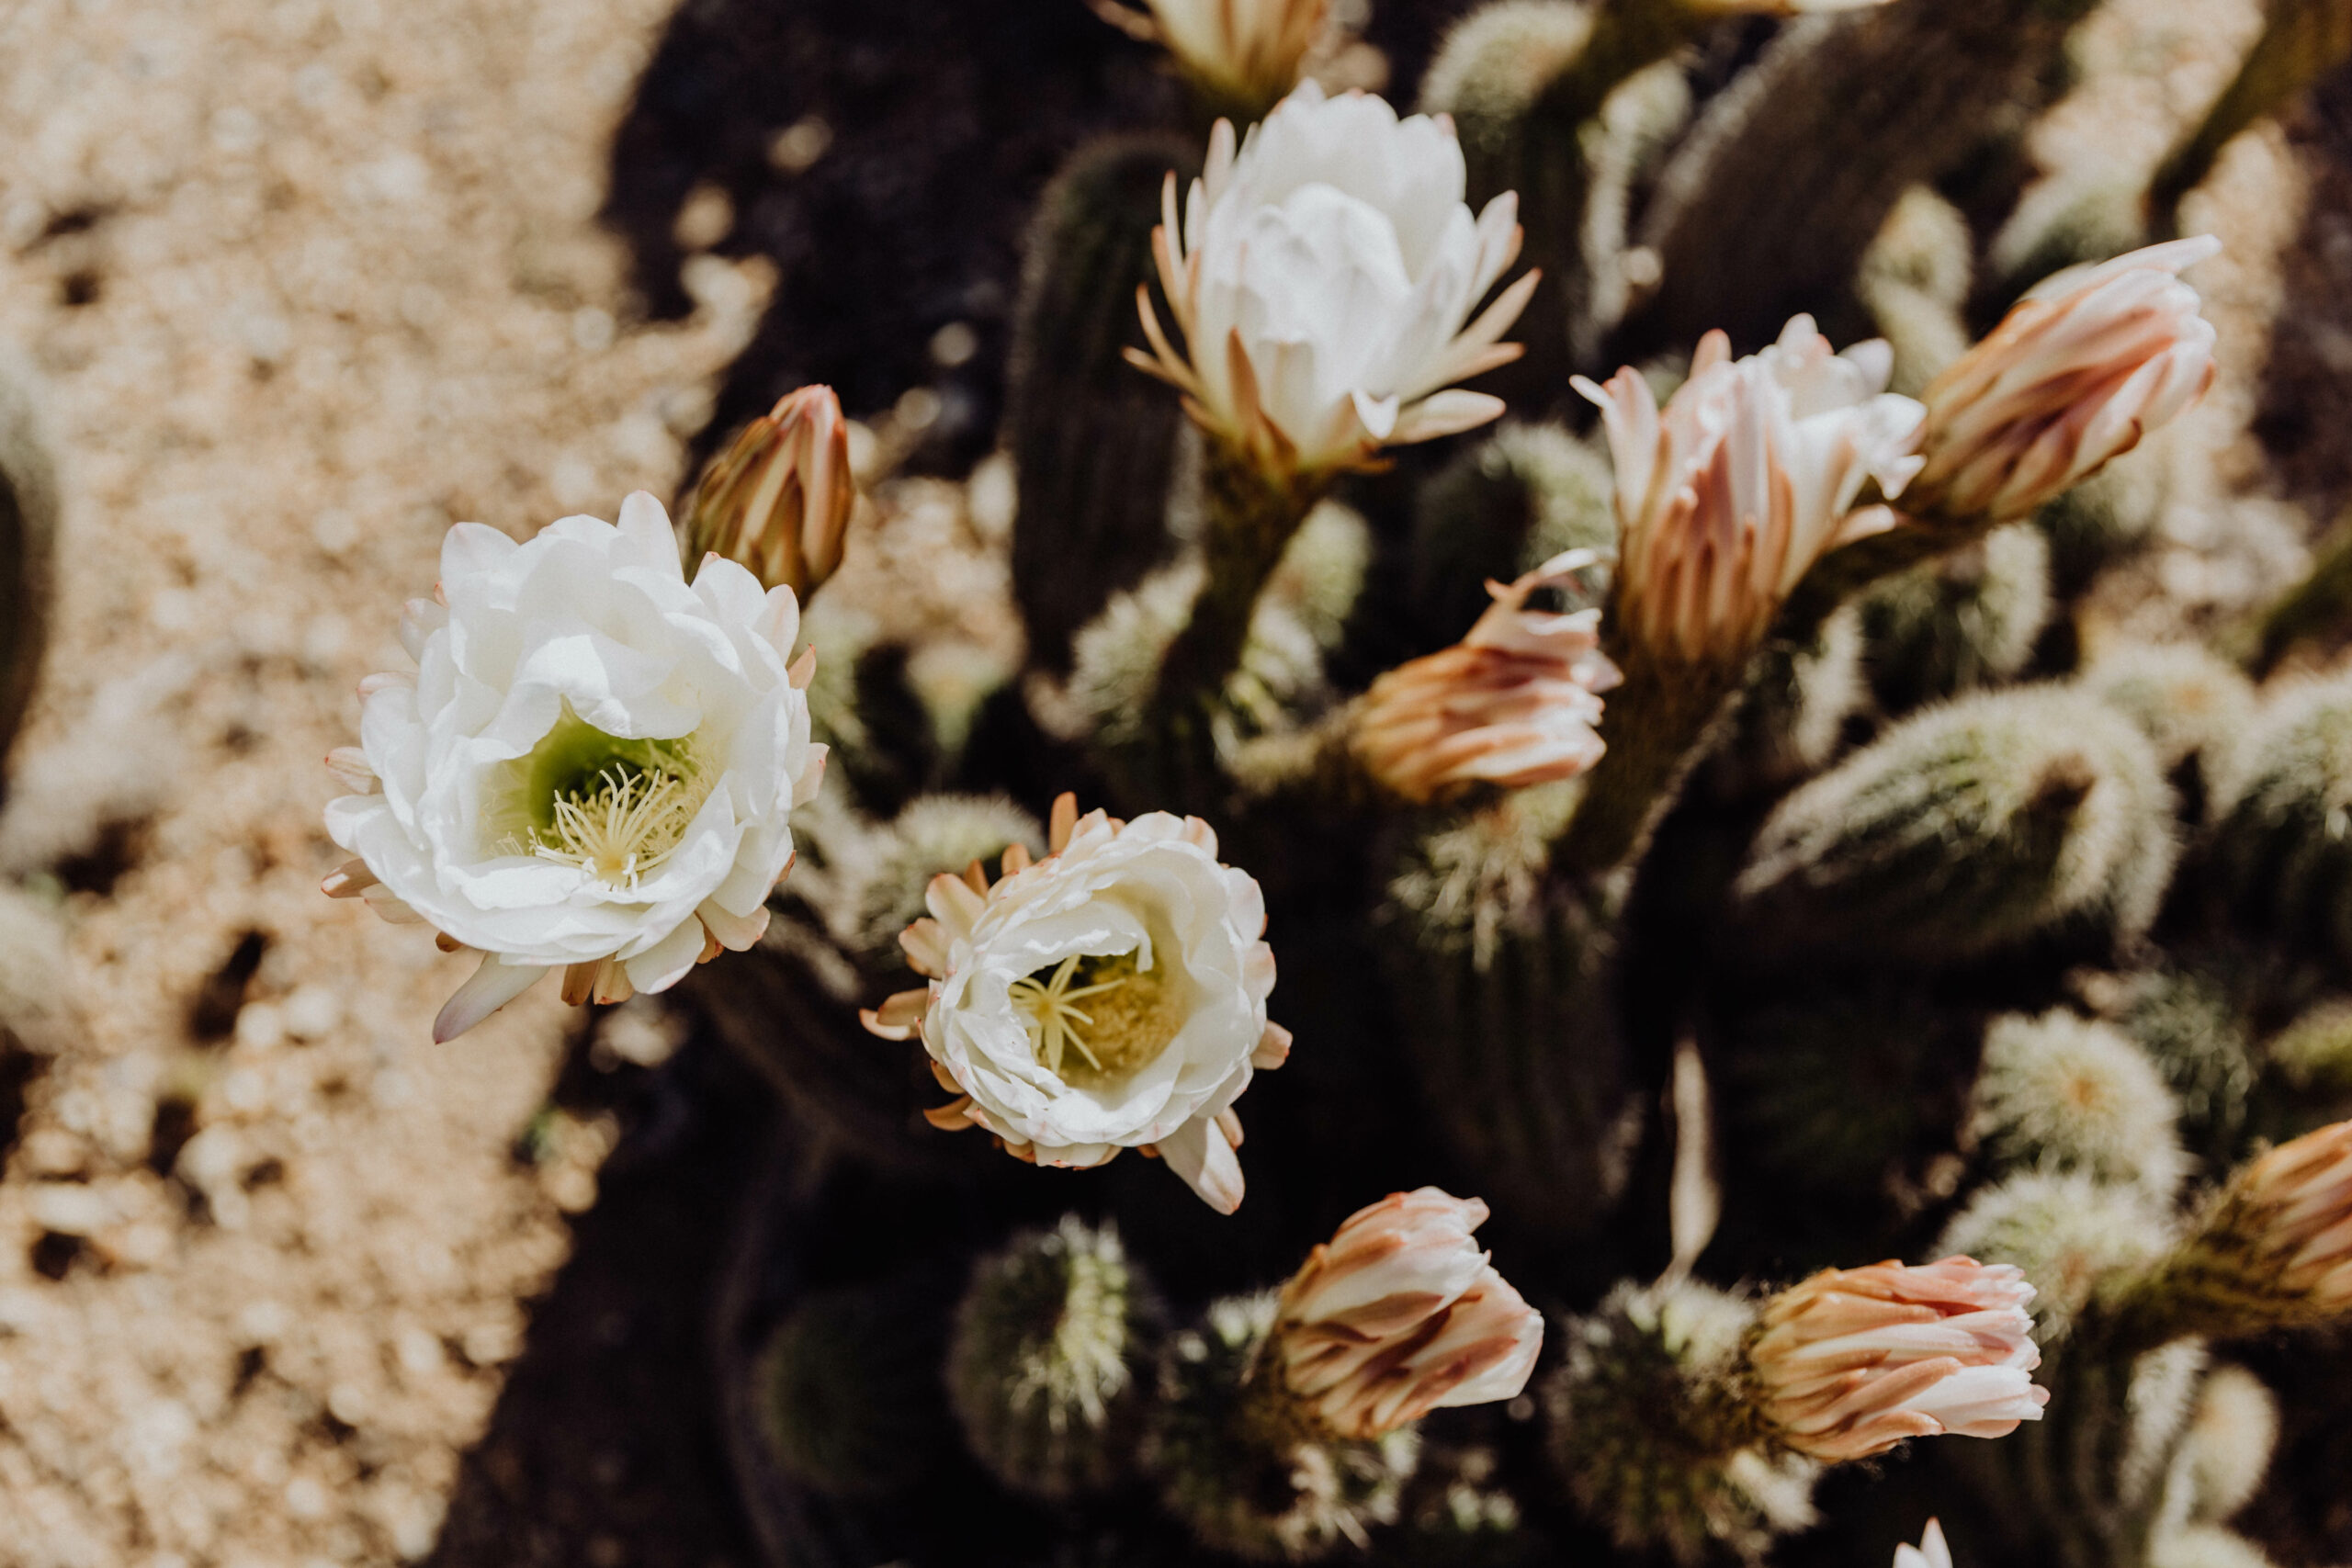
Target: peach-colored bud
1512	704
2294	1207
1747	476
778	500
2086	364
1249	51
1400	1312
1854	1361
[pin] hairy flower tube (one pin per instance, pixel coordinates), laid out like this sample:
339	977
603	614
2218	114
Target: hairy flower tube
1322	279
778	500
1512	704
1854	1361
2275	1251
1747	476
1247	52
1110	996
592	767
1400	1312
2078	372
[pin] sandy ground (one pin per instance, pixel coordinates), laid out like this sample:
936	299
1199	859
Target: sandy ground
305	282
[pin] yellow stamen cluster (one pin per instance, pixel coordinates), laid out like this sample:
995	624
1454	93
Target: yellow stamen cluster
622	830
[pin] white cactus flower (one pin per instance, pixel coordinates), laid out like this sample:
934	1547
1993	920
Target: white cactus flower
1110	996
591	769
1323	279
1400	1312
1748	476
1931	1552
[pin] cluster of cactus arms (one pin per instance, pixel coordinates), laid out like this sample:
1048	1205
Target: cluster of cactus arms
1891	915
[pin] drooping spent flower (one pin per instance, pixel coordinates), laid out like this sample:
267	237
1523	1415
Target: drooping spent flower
1747	478
1854	1361
2078	372
1931	1552
1246	52
1323	279
592	768
1110	996
1512	704
1400	1312
778	500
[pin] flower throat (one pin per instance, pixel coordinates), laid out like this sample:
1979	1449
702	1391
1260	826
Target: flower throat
1098	1018
615	808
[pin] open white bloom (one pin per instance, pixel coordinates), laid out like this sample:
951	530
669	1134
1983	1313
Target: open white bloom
1854	1361
1749	477
1245	52
590	768
1512	704
2088	363
1322	282
1399	1312
1110	996
1931	1552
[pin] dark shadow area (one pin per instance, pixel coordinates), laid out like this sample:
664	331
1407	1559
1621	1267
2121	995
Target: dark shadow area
886	155
605	1447
2305	397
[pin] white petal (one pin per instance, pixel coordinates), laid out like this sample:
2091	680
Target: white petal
491	986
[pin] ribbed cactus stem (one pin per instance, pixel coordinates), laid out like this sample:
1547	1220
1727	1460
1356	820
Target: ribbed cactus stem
1790	175
1249	518
1660	725
1093	442
2303	40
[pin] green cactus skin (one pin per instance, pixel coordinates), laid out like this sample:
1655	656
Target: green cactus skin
28	508
2282	837
1966	620
1779	190
1979	825
2195	1031
1511	1013
1792	717
2061	1092
1241	1484
1092	439
2306	1080
1649	1427
1043	1369
849	1401
2107	518
1517	498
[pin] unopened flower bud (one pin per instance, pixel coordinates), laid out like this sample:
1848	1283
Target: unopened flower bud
2274	1252
1854	1361
778	500
1747	476
1512	704
2083	368
1400	1312
1246	53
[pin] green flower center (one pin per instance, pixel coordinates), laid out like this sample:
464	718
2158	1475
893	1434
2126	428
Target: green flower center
614	806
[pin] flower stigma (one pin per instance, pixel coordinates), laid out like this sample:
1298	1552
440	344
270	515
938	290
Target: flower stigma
1131	1018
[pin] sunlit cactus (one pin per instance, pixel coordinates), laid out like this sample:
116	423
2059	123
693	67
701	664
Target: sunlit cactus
1995	820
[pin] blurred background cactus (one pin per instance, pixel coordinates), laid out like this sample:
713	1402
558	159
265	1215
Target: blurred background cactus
1949	884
